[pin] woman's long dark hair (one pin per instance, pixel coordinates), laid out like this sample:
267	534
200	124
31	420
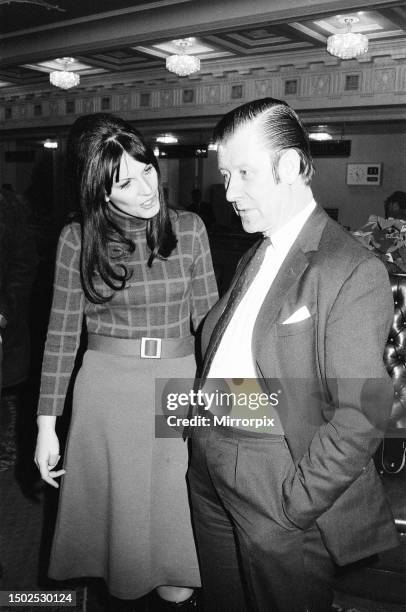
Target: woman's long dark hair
96	144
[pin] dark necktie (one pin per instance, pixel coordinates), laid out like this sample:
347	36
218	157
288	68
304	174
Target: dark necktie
239	290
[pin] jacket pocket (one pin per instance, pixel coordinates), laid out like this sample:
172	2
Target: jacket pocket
290	329
262	466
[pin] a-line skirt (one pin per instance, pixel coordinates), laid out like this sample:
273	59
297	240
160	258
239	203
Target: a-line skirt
123	512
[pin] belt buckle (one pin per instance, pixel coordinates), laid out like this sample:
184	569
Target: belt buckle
158	348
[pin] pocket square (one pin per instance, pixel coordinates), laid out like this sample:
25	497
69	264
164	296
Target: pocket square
300	315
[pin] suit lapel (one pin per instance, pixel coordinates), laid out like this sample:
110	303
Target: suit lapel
291	270
289	273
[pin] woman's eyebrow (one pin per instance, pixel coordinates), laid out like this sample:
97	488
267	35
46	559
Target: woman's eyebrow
125	178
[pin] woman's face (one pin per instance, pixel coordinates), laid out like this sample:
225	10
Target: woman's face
136	192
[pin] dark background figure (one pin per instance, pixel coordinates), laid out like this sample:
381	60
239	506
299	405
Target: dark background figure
1	360
395	205
203	209
17	274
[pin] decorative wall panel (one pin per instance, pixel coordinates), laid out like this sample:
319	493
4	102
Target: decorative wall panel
315	87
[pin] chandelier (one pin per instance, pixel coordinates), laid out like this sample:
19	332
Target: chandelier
183	64
64	78
348	44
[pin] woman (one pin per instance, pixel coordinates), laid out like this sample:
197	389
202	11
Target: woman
135	271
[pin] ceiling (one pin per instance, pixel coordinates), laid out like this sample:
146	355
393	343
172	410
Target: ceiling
111	38
23	15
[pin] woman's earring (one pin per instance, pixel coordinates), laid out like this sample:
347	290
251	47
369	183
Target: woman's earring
106	197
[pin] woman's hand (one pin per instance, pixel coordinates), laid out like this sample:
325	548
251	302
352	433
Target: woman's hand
47	450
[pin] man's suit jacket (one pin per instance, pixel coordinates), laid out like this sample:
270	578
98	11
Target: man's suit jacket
336	395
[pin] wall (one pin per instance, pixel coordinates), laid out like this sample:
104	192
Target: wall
356	203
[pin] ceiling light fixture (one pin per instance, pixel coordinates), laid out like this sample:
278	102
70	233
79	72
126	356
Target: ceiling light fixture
167	139
348	44
64	78
183	64
50	144
320	136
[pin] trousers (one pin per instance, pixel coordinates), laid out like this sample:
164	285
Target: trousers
252	558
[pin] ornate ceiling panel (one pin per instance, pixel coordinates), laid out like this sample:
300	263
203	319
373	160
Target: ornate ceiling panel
122	38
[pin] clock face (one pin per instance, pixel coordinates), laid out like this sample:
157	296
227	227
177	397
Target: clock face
355	173
364	174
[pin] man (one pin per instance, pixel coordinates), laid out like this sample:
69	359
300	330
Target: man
17	273
275	512
18	268
395	205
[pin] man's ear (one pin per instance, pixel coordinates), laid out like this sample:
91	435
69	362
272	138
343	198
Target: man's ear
289	166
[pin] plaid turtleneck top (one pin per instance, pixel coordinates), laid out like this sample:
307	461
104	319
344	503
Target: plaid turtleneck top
160	301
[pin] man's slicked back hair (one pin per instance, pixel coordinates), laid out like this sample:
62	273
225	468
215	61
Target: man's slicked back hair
278	125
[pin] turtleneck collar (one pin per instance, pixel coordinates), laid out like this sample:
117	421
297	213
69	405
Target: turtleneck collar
127	222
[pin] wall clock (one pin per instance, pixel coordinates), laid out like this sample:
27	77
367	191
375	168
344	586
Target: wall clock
364	174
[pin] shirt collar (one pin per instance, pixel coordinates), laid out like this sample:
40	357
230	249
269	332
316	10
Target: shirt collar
286	235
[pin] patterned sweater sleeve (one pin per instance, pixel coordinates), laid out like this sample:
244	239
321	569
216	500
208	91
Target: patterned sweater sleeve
204	286
65	324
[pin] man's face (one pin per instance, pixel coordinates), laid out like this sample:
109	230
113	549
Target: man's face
393	210
245	164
